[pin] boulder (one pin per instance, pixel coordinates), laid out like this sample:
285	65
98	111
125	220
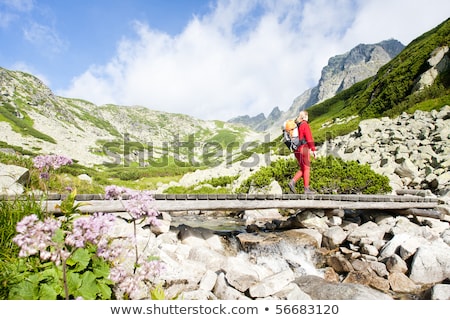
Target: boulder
431	263
13	179
320	289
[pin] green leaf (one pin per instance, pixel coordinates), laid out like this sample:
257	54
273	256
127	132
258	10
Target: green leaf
104	290
79	259
88	289
51	274
158	293
47	292
100	267
27	289
73	281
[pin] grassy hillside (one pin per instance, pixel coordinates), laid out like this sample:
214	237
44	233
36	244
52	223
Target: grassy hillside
389	92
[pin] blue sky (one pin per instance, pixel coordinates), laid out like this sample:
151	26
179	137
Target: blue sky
212	59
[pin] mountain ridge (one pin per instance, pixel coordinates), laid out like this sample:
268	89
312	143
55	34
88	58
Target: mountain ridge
341	72
34	119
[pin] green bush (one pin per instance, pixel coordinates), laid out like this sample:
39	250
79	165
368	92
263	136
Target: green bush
127	175
195	190
221	181
210	186
334	175
87	277
263	177
328	175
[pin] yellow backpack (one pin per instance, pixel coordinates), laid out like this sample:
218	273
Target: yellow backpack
290	135
289	126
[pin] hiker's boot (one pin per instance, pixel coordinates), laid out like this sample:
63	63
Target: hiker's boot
291	185
308	190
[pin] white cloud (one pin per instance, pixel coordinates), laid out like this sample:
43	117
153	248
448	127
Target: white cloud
18	5
45	37
245	57
10	10
378	20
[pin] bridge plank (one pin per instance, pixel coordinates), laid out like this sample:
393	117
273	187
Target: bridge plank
205	203
211	202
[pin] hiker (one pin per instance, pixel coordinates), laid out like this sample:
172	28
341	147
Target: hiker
302	153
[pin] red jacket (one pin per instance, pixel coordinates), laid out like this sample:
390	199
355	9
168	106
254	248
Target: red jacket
304	132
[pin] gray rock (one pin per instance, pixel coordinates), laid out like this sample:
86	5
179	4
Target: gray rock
396	264
333	237
240	273
13	179
367	230
291	292
271	284
208	281
408	248
440	292
431	263
320	289
224	292
400	283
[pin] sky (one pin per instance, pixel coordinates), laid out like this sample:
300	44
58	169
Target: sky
210	59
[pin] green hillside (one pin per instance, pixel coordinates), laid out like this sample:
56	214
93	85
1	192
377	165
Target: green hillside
389	92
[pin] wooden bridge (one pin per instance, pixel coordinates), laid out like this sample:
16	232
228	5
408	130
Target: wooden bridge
404	203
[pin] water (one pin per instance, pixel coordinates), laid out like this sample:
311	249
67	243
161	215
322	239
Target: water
283	255
276	257
213	223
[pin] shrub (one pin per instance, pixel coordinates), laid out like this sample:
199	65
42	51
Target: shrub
198	189
221	181
263	177
328	175
334	175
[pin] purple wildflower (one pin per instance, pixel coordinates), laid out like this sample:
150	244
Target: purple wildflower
115	192
45	163
35	236
51	240
44	175
91	229
131	283
141	205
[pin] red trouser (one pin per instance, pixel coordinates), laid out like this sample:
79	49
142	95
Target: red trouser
304	161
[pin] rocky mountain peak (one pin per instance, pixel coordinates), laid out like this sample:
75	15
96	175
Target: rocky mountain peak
358	64
341	72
